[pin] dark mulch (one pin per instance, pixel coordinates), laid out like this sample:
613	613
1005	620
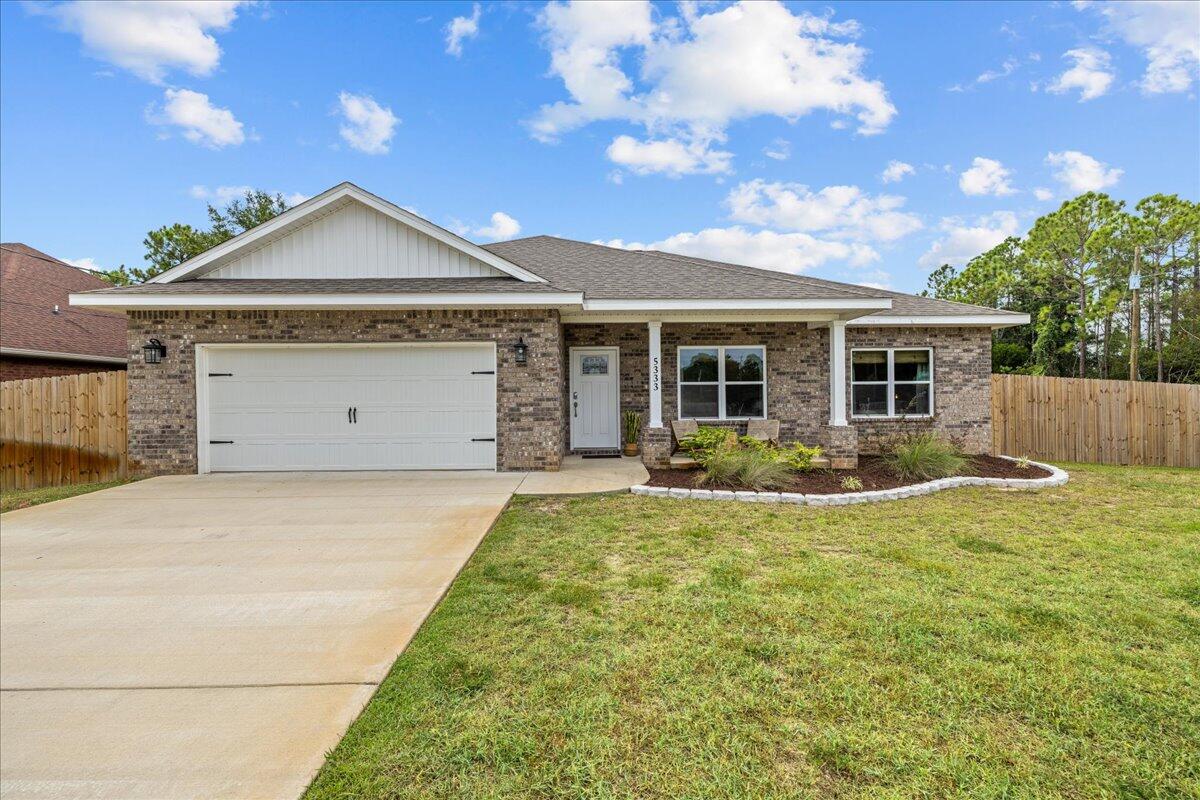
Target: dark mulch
872	471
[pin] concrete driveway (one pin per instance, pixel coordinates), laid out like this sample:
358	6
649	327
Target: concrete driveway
213	636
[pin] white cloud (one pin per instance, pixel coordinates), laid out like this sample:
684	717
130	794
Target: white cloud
84	263
1006	69
368	126
201	121
1082	173
149	38
701	71
843	212
1010	65
461	28
1043	194
503	227
986	176
962	240
1092	74
223	195
670	157
784	252
896	171
779	149
1168	33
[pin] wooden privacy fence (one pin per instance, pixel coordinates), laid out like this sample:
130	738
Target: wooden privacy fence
1108	422
62	430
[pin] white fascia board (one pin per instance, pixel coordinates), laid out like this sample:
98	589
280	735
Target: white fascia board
866	304
54	355
207	260
326	301
947	320
605	317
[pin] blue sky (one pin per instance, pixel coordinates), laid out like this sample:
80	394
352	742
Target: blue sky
759	133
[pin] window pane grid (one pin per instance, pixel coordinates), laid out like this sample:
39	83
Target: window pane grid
752	361
910	396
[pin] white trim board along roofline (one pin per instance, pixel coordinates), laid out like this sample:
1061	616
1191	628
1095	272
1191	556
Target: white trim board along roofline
351	300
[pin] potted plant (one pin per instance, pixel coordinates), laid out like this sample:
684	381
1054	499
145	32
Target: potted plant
633	429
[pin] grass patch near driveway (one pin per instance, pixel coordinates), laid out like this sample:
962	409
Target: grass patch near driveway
24	498
973	642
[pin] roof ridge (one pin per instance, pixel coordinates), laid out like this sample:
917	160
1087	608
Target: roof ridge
763	272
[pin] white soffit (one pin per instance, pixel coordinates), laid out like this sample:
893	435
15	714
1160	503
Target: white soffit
346	232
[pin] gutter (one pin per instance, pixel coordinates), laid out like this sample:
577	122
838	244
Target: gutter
52	355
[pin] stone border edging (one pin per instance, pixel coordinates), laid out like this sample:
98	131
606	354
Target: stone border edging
1057	477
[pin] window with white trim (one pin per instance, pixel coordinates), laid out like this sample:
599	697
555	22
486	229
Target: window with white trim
722	382
896	382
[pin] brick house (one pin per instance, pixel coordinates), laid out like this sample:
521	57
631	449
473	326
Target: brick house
40	333
348	333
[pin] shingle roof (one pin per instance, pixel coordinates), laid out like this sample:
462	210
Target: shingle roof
602	272
608	272
31	285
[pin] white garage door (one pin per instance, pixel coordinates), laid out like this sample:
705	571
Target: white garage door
297	407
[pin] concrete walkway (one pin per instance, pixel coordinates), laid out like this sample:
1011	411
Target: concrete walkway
213	636
581	475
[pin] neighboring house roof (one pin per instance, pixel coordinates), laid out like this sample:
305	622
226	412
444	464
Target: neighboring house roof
540	269
32	284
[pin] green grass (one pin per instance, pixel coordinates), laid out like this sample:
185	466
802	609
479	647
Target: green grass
971	643
23	498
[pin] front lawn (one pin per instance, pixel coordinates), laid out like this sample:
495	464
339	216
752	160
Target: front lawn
973	642
11	500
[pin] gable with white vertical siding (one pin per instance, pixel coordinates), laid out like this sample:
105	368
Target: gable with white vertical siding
354	241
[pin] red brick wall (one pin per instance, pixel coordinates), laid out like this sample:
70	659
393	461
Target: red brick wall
16	369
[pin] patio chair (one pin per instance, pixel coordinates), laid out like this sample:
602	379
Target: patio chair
764	430
682	428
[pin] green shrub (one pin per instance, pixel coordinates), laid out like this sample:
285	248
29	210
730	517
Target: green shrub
799	458
852	484
759	445
750	469
763	470
924	457
721	467
706	441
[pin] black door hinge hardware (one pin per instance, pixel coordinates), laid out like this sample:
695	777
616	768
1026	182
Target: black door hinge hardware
220	374
492	439
355	410
220	441
483	372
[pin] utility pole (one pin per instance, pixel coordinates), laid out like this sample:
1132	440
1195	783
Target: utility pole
1135	314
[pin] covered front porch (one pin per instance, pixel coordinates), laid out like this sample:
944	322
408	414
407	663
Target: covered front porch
720	368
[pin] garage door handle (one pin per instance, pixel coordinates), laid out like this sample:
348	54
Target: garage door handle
220	441
483	372
220	374
492	439
355	410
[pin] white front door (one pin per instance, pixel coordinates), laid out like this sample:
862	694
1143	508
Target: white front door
305	407
595	400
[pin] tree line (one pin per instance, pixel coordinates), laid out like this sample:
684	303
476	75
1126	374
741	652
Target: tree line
1076	272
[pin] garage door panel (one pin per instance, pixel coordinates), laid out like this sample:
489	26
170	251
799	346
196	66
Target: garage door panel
417	407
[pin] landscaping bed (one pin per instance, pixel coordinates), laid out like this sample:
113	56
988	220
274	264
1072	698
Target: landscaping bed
872	471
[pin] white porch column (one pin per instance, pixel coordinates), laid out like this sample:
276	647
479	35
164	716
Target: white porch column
656	420
837	372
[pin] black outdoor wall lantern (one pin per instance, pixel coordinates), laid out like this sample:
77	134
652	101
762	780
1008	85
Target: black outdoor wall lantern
521	350
154	350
